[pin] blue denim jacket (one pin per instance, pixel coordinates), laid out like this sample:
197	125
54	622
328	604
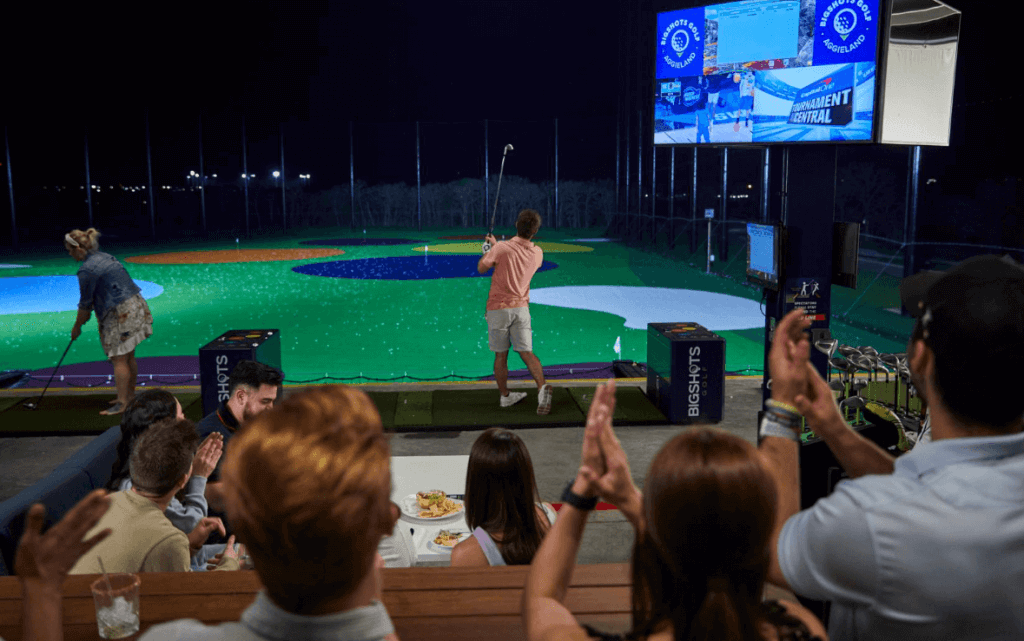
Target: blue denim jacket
104	284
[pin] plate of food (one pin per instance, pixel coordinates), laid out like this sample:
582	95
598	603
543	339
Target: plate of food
430	506
447	539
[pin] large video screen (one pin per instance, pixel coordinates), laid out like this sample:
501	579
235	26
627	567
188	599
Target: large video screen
766	71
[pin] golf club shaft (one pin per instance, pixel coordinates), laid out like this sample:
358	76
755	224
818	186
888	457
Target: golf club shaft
497	192
54	371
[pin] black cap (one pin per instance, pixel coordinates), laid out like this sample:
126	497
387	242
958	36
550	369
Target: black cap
972	317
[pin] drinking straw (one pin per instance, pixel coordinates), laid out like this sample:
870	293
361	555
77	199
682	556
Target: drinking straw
106	578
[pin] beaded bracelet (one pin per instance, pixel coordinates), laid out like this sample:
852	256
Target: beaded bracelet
783	407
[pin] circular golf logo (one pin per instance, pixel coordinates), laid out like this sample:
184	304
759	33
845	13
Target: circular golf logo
679	44
844	26
845	22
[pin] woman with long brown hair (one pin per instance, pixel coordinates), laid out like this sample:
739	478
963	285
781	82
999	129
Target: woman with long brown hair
700	560
503	508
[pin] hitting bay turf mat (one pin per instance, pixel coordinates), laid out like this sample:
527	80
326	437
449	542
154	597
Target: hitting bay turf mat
631	405
71	415
480	409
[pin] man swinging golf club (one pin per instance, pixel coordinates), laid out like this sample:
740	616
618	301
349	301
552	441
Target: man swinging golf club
515	262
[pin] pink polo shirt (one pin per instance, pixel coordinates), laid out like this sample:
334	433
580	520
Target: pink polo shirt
515	262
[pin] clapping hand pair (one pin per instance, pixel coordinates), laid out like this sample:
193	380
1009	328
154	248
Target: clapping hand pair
604	470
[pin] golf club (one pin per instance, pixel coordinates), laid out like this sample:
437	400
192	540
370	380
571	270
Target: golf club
33	406
497	192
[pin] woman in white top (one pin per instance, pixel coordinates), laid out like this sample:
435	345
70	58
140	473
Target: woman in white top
503	508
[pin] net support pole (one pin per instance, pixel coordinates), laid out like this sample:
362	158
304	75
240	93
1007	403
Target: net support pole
723	228
202	176
693	206
351	175
910	215
557	211
765	165
672	198
487	176
10	191
419	199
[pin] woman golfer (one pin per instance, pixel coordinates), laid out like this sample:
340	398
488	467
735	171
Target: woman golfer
122	313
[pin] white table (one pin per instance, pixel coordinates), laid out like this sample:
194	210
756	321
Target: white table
411	474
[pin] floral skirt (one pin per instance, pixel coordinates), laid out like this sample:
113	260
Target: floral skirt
125	326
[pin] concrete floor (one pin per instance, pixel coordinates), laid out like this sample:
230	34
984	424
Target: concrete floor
555	453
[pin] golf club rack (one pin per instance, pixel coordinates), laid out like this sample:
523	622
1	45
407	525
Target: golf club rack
865	398
877	399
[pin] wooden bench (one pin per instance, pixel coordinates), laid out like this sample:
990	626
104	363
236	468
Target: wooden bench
426	604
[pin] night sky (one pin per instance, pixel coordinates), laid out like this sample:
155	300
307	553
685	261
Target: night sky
315	66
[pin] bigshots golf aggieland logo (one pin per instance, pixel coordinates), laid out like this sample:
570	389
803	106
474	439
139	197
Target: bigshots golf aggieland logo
827	102
845	31
680	43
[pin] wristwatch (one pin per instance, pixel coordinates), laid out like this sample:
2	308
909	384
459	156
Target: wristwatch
771	427
577	501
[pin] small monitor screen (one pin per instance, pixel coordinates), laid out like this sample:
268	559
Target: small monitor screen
763	254
766	71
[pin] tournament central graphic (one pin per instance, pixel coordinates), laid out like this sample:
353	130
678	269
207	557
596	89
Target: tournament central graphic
828	101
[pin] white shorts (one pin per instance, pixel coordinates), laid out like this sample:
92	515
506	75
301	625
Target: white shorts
509	327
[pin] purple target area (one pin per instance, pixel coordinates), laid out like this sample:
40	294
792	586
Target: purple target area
402	268
356	242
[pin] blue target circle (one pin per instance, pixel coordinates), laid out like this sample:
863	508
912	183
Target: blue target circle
426	267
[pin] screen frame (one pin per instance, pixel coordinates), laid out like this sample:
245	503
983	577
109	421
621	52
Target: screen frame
778	237
881	51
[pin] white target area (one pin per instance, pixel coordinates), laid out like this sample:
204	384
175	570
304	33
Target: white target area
642	305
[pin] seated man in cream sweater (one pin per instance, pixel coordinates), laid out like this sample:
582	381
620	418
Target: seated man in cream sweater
143	539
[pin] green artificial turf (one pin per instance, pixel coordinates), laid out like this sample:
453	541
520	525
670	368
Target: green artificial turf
413	409
631	405
67	415
363	330
10	402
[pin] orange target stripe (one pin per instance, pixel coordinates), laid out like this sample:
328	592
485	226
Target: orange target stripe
232	256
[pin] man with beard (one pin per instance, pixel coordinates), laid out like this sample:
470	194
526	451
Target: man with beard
252	389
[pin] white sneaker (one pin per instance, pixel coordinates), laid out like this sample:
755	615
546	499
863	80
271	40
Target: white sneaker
544	399
512	398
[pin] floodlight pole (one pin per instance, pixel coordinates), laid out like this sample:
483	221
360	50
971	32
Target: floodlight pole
88	178
10	191
556	212
245	179
202	176
149	176
284	181
618	152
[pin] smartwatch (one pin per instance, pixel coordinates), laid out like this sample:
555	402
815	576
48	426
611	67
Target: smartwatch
577	501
